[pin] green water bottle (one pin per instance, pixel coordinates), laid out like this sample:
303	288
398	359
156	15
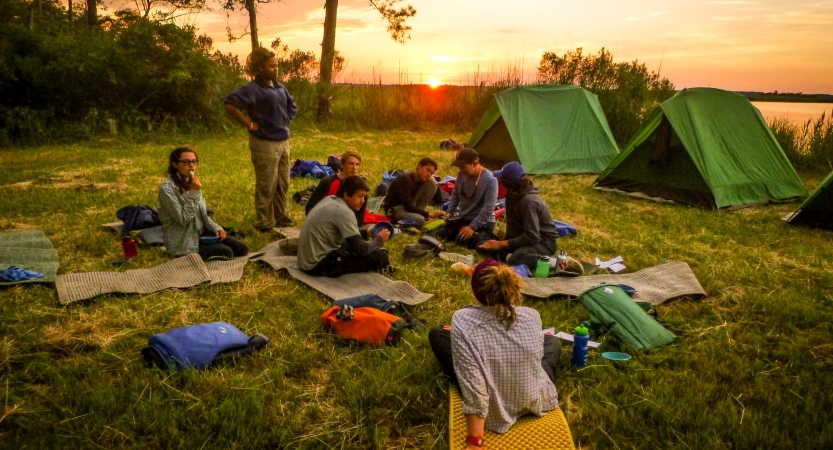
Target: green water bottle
542	269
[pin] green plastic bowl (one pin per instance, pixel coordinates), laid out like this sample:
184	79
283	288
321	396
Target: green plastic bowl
616	356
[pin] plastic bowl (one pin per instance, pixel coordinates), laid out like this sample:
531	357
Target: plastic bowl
616	356
379	227
406	223
209	240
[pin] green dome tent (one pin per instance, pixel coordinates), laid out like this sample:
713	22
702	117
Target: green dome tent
547	128
817	210
705	147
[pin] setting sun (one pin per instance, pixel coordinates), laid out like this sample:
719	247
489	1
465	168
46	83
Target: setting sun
433	82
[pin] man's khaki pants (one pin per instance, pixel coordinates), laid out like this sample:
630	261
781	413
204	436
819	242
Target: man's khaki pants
271	162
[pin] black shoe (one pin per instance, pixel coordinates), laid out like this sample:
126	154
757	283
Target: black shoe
263	229
285	223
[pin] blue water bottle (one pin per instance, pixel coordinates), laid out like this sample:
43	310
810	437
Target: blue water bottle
580	340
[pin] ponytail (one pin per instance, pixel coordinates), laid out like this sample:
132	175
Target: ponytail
500	287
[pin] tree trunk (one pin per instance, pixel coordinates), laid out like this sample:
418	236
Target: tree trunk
250	6
69	14
325	76
92	13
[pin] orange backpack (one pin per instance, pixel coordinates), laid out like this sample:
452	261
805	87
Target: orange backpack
366	324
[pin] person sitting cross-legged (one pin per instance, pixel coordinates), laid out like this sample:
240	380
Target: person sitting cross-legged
471	208
498	354
331	245
530	231
183	213
410	193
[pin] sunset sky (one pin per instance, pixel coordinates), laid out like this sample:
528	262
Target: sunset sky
762	45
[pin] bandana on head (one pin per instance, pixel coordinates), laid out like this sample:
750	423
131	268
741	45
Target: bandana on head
475	278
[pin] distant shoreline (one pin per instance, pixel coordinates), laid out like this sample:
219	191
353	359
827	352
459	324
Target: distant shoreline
787	97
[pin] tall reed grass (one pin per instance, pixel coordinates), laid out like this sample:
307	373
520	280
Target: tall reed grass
406	106
808	145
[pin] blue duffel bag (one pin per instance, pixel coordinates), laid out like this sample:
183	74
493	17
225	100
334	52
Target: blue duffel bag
198	346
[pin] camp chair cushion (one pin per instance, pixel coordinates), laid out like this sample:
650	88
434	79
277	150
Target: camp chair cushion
549	432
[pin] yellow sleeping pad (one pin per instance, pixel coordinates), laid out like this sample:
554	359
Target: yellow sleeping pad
550	432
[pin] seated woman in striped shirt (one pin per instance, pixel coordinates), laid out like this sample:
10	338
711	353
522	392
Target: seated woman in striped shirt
184	216
498	354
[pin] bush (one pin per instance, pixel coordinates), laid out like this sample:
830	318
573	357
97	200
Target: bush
628	92
809	145
418	107
56	84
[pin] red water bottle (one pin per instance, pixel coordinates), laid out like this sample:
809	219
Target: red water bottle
129	247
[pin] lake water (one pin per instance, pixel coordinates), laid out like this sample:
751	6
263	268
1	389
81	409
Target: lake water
797	112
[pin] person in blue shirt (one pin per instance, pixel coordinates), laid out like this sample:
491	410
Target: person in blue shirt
471	208
269	109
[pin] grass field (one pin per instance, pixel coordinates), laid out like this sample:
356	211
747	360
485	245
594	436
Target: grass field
751	367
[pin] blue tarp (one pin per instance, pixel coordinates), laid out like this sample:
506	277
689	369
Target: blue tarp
310	169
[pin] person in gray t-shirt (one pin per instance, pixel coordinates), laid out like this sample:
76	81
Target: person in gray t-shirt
331	245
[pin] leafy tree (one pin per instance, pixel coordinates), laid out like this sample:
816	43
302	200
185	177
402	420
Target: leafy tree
251	8
295	65
167	9
396	27
92	13
627	91
141	72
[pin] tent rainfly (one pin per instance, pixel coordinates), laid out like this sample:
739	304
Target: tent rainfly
705	147
817	210
547	128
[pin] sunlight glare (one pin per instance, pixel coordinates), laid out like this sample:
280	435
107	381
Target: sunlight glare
433	82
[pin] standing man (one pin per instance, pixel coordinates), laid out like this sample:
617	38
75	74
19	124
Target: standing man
530	231
410	193
471	208
331	245
270	110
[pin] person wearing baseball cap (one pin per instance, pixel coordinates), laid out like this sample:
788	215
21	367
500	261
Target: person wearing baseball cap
471	208
530	231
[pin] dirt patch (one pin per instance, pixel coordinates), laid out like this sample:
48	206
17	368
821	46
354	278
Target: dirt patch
84	334
83	185
16	226
21	185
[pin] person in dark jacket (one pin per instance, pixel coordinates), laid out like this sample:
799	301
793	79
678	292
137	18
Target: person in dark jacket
350	162
530	231
270	110
410	193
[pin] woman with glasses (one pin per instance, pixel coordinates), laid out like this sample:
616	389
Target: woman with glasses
184	216
269	109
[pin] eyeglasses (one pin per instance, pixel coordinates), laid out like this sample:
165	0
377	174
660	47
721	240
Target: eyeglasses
189	161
